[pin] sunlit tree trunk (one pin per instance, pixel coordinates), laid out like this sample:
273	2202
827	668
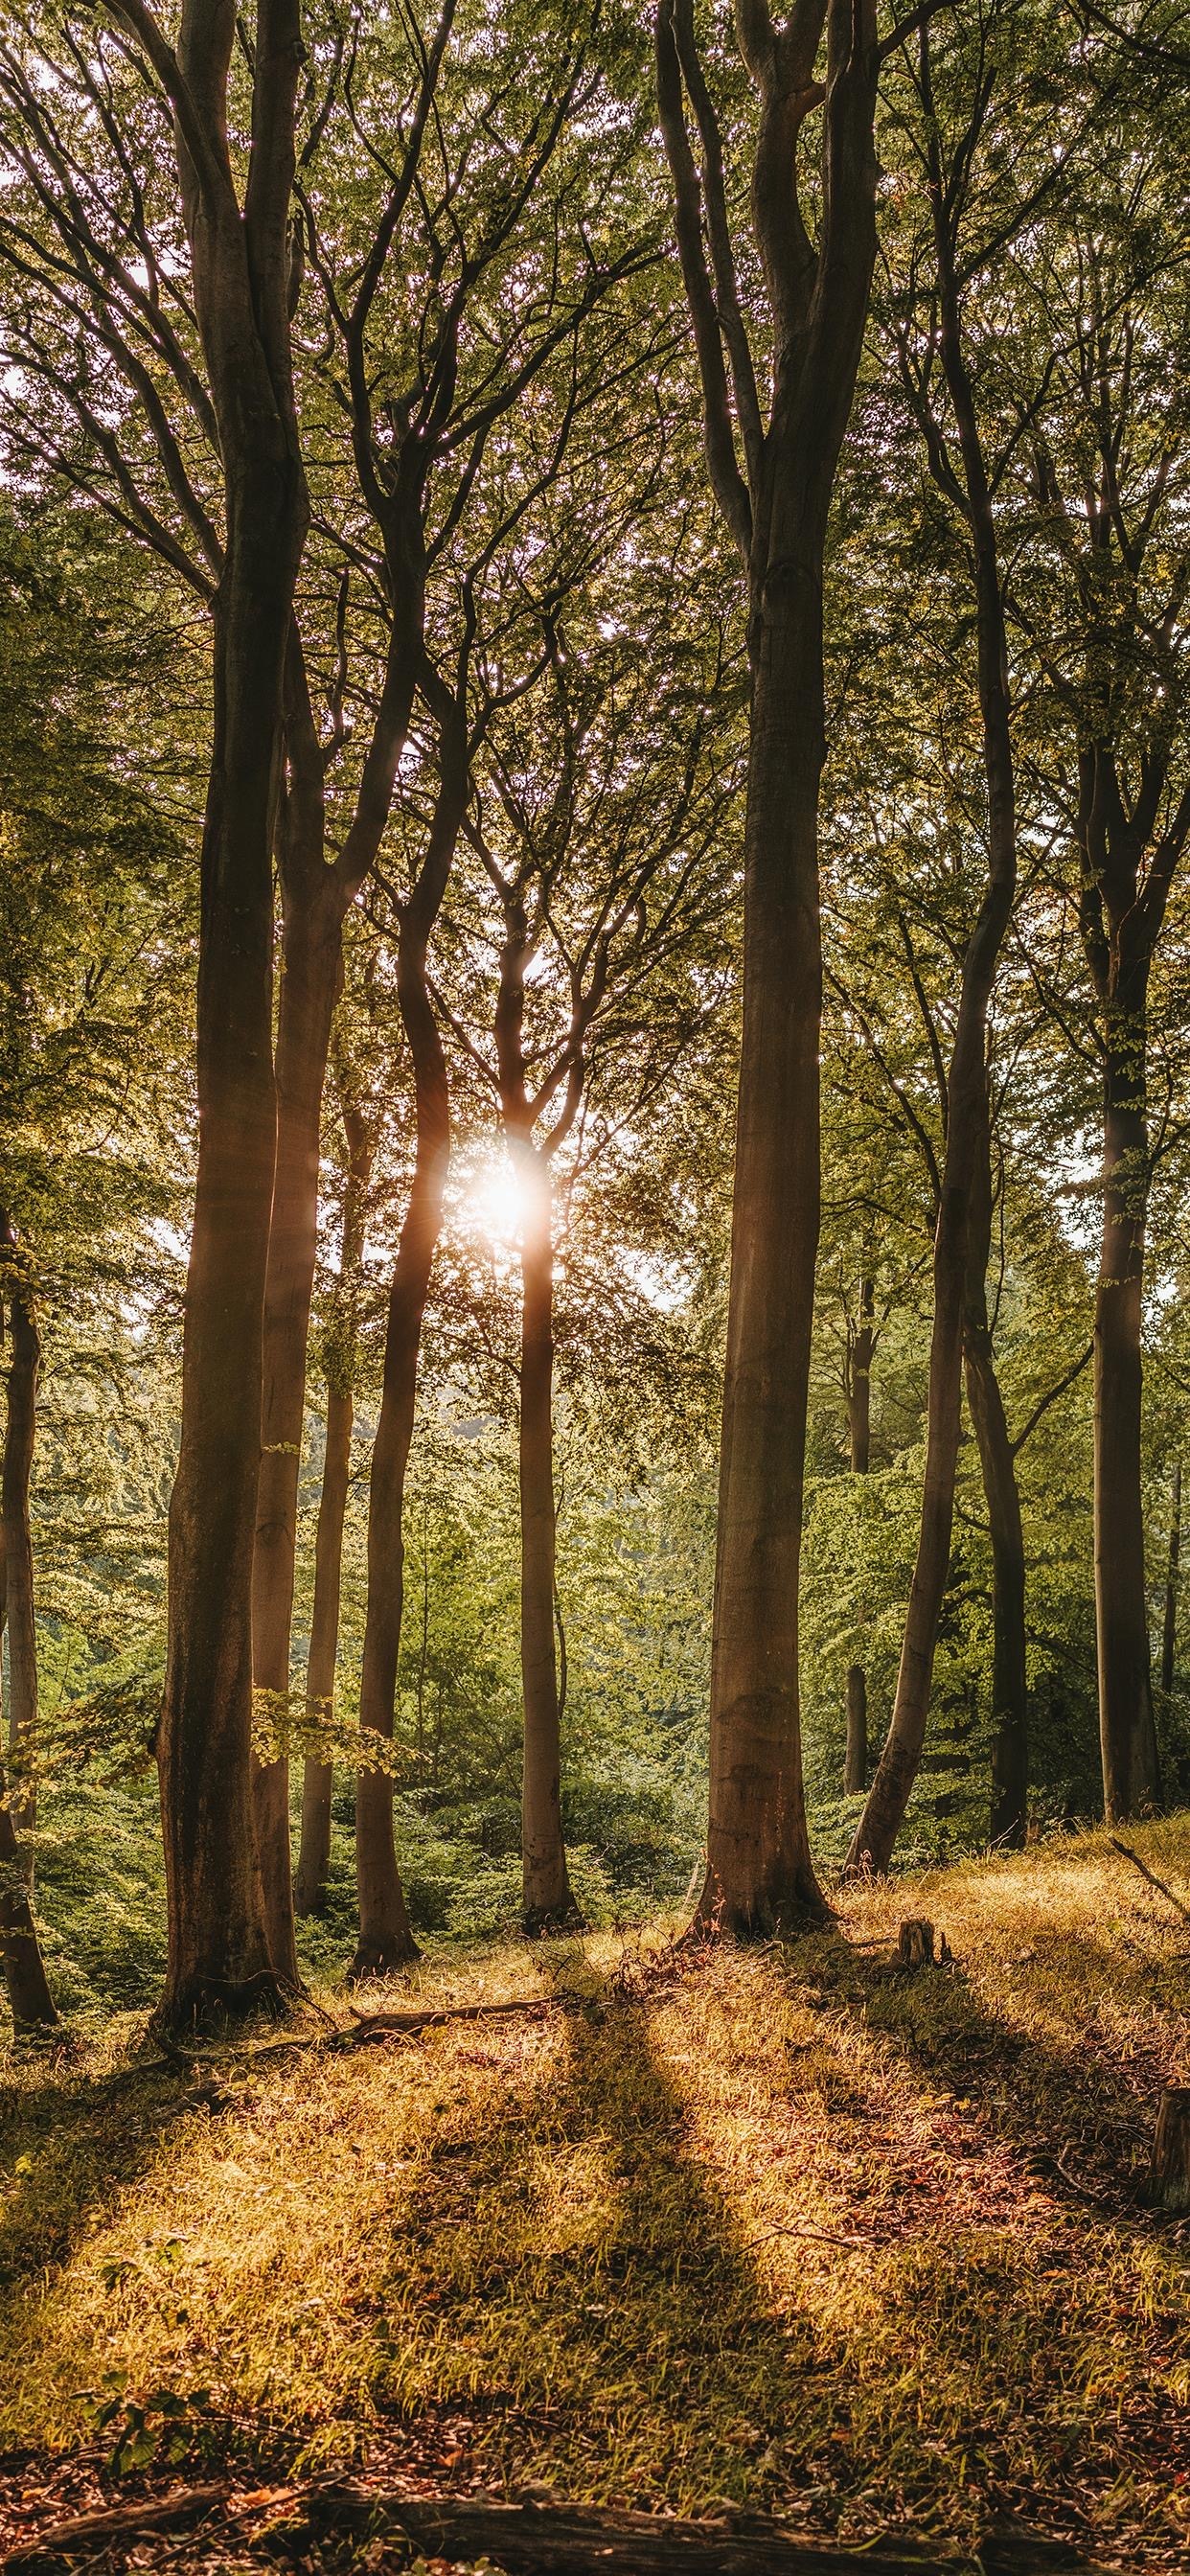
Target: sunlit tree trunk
385	1935
318	1775
1169	1624
22	1375
311	969
218	1943
859	1428
29	1996
1127	1733
759	1872
967	1101
774	486
997	1458
547	1899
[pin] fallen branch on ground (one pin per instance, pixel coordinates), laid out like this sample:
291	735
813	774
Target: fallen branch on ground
548	2539
815	2235
1126	1850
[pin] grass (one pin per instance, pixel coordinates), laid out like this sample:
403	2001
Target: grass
787	2228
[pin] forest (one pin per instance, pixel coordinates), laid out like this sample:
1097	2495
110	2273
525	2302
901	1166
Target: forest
594	1243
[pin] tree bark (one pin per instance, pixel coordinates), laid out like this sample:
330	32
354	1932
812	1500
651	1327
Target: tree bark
385	1934
759	1872
318	1773
313	908
553	2538
30	2000
29	1997
17	1612
997	1458
967	1102
1169	1625
218	1942
859	1426
1127	1734
318	1777
548	1903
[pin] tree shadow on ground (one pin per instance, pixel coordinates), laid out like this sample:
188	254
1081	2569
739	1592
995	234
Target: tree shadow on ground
1078	2110
572	2284
581	2304
69	2143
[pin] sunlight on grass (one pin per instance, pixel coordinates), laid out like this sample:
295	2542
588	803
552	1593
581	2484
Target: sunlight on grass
788	2228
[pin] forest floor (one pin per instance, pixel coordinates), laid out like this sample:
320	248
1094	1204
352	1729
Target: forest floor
791	2229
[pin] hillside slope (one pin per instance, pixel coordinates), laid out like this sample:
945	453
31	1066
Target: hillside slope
792	2228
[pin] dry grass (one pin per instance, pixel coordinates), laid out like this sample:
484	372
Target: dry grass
784	2227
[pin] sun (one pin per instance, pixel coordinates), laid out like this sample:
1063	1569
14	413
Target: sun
498	1201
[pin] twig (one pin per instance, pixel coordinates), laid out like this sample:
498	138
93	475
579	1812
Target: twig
817	2235
1142	1865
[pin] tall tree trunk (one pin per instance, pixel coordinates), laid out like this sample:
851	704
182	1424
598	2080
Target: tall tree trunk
997	1459
218	1942
1169	1625
859	1426
967	1101
546	1893
312	963
318	1776
1127	1733
24	1369
29	1995
774	487
219	1951
1010	1693
385	1935
759	1872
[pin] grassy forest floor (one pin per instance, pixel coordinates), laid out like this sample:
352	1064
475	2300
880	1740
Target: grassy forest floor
791	2228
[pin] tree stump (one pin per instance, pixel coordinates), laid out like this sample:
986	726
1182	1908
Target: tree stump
915	1943
1171	2148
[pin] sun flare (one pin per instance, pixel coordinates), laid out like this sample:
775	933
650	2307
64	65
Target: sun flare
497	1199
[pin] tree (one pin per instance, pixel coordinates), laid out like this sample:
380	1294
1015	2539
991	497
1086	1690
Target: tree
28	1988
602	833
935	345
413	356
775	503
361	1126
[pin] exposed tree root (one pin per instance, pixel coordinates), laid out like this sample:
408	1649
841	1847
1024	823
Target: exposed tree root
544	2538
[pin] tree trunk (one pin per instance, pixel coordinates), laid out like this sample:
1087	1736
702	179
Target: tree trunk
859	1425
967	1102
547	1899
318	1774
312	959
897	1768
318	1778
219	1955
30	2000
759	1873
29	1995
1127	1734
1010	1694
997	1458
24	1369
385	1935
1169	1625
